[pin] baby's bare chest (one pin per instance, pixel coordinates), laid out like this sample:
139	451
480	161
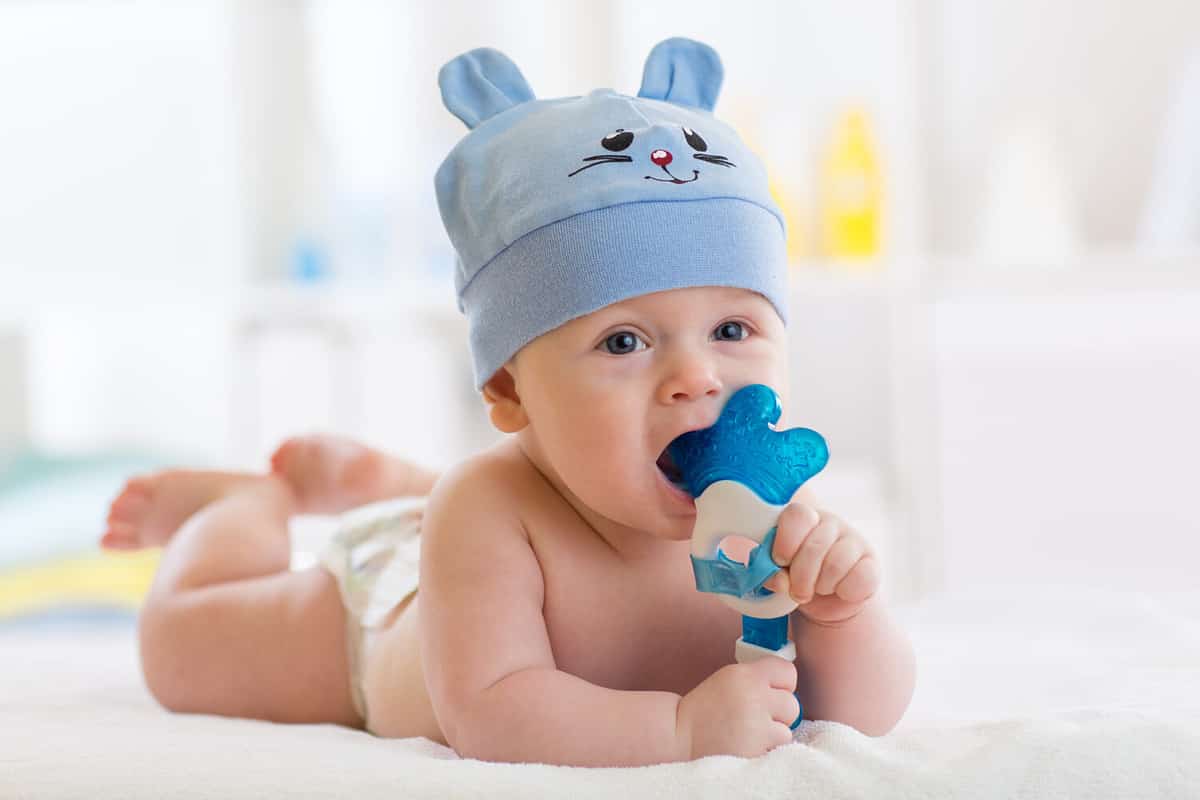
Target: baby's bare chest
632	627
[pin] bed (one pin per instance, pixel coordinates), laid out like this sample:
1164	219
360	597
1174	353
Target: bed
1071	693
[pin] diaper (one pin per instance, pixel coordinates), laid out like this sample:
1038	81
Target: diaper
373	556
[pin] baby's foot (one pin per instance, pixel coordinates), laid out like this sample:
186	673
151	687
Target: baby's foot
150	508
329	474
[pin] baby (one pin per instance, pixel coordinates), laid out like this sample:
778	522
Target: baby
622	268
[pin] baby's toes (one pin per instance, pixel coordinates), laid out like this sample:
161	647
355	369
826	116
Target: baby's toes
120	536
131	504
300	461
284	457
126	515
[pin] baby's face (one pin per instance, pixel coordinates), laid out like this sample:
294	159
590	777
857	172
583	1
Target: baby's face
606	393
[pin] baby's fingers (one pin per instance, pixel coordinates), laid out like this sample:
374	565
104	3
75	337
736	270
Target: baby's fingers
794	525
861	583
841	558
784	707
778	582
806	566
781	734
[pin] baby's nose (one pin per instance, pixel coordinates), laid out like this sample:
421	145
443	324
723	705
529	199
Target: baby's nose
661	157
690	381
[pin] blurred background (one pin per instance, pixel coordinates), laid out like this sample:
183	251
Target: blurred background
218	228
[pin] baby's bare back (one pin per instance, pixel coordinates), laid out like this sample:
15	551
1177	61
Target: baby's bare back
620	624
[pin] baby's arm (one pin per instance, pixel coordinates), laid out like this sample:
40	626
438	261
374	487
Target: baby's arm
489	667
331	473
860	672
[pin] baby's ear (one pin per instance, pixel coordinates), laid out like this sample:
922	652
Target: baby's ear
504	404
480	84
683	71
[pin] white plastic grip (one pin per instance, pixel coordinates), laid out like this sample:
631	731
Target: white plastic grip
728	508
744	652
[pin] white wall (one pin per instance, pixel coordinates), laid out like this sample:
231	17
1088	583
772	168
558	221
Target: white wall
14	398
121	210
1095	75
1067	437
124	375
117	148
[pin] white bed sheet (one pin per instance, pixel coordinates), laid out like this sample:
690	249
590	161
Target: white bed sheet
1066	693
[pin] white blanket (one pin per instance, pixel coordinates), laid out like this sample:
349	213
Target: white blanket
1067	695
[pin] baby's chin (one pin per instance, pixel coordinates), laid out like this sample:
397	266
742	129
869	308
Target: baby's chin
679	531
649	506
651	518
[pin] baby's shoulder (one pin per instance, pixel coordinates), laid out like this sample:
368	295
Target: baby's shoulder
473	532
489	487
501	471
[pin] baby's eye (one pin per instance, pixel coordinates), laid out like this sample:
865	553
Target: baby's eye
730	332
622	343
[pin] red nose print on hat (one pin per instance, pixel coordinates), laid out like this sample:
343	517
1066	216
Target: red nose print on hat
661	157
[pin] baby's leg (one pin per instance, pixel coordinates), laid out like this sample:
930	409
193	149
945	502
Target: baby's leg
227	629
327	474
332	473
150	508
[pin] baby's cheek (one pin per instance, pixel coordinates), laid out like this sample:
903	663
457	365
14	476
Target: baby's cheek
768	366
588	455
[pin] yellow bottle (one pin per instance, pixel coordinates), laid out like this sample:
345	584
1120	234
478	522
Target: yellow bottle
851	192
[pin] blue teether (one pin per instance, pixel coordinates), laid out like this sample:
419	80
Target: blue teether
723	575
742	446
742	473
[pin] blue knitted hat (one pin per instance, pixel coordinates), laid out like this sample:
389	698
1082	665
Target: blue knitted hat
560	207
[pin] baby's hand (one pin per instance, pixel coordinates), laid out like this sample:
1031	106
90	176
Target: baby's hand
828	567
739	710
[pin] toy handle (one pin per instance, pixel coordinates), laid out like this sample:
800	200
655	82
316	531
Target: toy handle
744	652
728	508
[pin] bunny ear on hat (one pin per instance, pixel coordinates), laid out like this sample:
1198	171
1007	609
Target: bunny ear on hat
480	84
683	71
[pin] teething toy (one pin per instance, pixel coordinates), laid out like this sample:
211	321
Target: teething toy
743	473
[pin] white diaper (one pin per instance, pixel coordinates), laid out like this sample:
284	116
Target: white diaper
373	556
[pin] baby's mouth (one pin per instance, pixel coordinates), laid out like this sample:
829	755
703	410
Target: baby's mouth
666	464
